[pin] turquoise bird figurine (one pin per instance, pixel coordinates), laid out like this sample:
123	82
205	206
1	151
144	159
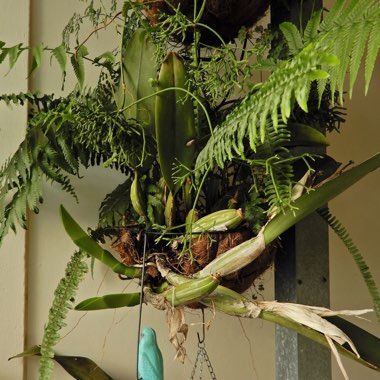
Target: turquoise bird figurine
151	365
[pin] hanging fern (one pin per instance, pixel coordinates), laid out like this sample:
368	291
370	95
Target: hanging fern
63	299
355	253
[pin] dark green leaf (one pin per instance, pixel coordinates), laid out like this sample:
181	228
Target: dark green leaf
80	368
368	345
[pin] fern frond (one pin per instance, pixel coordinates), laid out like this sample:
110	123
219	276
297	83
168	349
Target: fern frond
344	236
288	83
373	48
292	36
63	299
311	30
346	30
35	99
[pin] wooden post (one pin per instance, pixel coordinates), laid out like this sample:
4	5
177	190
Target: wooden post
302	269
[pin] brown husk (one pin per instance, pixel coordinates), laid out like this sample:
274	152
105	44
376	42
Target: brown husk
204	249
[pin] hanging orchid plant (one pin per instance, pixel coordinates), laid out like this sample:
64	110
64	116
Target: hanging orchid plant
212	176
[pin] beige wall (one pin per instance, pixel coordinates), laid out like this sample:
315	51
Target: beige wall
238	349
14	16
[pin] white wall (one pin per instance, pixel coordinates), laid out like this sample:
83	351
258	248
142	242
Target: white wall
238	349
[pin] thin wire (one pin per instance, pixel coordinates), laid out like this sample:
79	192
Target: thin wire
140	307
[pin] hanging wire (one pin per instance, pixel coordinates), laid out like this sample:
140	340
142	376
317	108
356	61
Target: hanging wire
201	341
140	306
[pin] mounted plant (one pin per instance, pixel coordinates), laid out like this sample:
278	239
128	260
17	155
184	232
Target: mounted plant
212	173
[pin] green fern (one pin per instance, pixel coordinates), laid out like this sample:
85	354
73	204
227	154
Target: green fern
348	30
63	299
355	253
22	175
343	34
289	83
34	99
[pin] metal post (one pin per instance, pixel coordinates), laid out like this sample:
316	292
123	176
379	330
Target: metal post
302	269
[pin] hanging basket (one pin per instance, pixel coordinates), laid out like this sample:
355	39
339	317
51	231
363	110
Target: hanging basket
204	249
225	17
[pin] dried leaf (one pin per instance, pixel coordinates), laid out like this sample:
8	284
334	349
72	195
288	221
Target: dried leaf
178	330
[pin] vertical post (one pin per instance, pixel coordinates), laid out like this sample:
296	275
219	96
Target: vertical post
302	269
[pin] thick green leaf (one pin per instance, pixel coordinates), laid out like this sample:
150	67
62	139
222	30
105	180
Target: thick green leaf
232	303
137	71
89	245
316	198
301	134
369	355
368	345
80	368
175	126
109	301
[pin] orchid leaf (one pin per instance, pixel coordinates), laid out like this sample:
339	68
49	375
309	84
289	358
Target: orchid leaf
109	301
89	245
79	367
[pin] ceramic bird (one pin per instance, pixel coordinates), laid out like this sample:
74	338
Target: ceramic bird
151	366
